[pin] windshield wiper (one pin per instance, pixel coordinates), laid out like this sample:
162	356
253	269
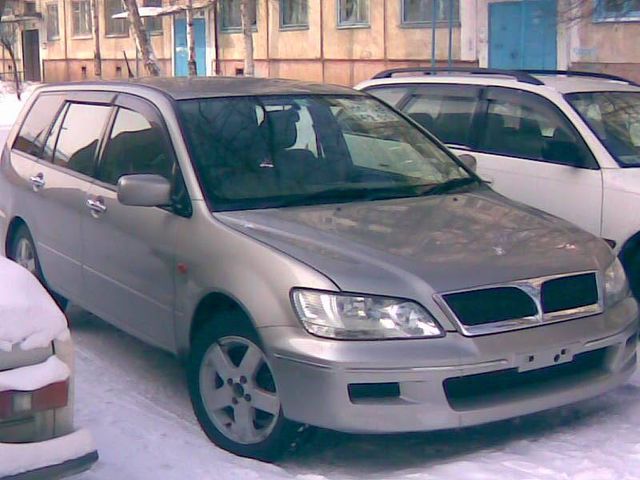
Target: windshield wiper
450	186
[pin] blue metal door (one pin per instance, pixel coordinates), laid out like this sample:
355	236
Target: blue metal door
523	34
181	50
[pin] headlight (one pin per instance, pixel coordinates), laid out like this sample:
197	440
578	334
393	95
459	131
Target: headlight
616	286
357	317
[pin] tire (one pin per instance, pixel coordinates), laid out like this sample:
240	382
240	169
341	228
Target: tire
234	394
631	262
23	251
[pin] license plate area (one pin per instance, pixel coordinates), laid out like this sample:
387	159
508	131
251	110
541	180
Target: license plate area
545	358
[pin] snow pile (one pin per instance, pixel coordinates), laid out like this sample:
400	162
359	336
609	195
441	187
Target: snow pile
25	457
10	106
34	377
28	315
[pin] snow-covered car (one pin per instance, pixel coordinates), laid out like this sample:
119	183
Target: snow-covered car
565	142
37	437
316	258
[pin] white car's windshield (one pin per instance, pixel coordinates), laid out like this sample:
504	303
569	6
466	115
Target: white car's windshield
615	119
278	151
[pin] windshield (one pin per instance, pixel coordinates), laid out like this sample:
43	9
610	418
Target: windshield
278	151
615	119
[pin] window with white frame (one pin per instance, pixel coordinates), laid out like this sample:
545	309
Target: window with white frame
231	19
421	12
153	24
114	27
353	12
81	18
53	23
294	13
617	10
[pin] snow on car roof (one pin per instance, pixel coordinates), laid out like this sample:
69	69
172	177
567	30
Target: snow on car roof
29	318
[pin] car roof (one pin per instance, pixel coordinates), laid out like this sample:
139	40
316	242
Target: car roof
182	88
562	83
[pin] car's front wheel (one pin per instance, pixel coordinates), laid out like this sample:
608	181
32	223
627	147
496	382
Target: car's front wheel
234	394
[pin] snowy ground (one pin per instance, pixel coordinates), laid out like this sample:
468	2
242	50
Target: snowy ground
134	400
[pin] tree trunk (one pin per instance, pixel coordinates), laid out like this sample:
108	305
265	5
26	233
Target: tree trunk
191	41
247	32
97	57
142	40
216	42
9	48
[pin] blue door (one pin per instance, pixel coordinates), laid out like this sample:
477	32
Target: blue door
523	34
181	50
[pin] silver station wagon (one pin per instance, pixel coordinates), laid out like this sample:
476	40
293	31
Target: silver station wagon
316	258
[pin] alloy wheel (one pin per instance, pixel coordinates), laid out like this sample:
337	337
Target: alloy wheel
238	390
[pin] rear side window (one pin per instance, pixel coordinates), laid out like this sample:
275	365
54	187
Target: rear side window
36	125
391	95
79	136
447	112
136	145
524	125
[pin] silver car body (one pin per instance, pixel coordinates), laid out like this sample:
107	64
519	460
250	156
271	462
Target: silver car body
159	275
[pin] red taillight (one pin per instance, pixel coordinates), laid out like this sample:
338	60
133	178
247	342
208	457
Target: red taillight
15	403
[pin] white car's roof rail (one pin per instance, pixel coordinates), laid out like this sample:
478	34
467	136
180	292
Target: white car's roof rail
577	73
519	75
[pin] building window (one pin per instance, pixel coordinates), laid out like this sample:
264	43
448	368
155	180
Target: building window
114	27
81	21
153	24
353	13
617	10
294	14
30	8
231	19
53	25
421	12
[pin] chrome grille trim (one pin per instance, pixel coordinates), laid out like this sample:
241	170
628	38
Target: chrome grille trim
533	288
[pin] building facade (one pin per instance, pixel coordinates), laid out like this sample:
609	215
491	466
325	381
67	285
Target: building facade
336	41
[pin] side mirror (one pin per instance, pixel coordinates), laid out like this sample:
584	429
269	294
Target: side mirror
144	190
469	161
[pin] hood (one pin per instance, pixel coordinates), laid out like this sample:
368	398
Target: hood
448	242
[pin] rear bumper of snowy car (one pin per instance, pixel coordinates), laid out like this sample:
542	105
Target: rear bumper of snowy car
454	381
50	459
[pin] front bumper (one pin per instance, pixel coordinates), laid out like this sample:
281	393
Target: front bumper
49	459
314	375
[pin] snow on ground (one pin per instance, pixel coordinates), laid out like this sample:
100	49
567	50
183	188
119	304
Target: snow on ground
134	400
9	104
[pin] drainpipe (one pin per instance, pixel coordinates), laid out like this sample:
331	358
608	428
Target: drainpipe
434	15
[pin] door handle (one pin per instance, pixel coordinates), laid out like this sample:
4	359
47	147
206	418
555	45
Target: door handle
37	181
96	206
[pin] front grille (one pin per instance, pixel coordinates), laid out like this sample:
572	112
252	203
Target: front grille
493	388
491	305
567	293
523	303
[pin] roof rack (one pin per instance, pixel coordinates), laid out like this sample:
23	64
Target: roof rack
520	75
578	73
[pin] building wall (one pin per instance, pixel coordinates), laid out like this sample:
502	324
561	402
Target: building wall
609	47
71	58
327	52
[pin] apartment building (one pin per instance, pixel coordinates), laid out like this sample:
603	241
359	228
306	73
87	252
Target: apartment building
337	41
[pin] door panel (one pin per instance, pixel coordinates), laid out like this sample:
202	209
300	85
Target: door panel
530	152
129	252
68	157
31	51
129	266
523	34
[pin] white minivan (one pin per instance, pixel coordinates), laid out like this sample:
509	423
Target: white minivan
562	141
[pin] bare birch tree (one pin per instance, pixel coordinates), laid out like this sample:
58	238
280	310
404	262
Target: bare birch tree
97	56
247	32
143	43
191	41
